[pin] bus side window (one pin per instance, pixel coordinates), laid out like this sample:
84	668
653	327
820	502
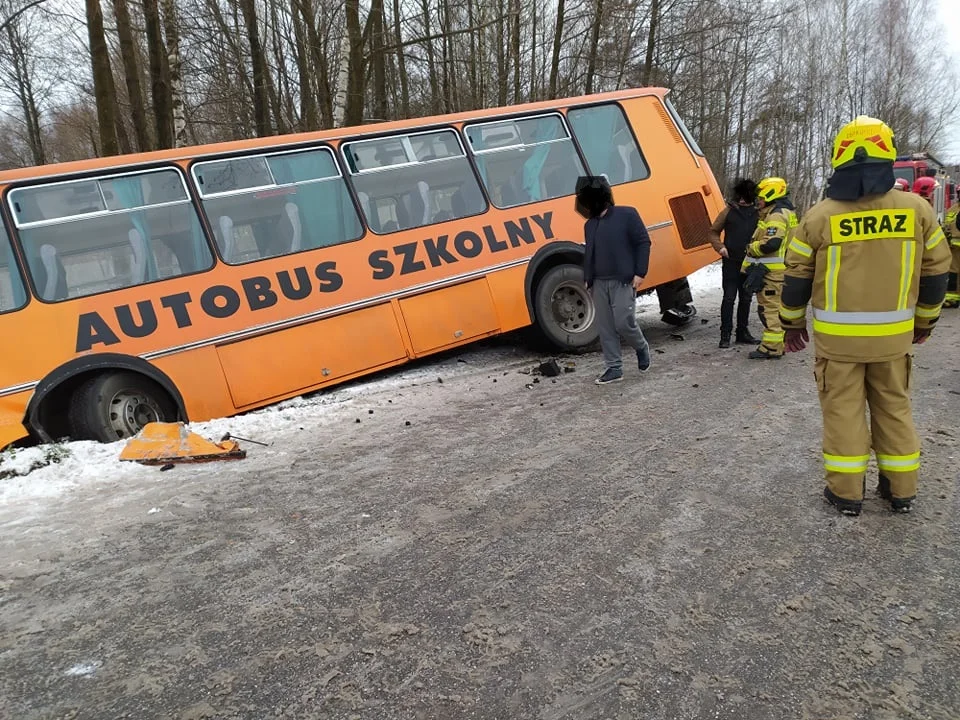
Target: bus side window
12	293
408	181
82	237
607	143
526	159
276	204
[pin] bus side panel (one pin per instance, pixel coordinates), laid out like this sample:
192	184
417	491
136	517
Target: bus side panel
276	364
449	316
200	380
507	288
12	408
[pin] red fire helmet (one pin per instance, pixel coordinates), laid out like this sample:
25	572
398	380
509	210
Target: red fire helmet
924	187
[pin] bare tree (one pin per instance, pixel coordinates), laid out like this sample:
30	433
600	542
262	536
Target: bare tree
159	75
19	71
102	79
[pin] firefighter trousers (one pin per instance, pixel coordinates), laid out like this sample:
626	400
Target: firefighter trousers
768	308
953	284
846	390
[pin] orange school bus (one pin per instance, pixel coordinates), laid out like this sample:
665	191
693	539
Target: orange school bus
202	282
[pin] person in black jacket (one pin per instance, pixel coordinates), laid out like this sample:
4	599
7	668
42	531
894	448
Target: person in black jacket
615	263
737	221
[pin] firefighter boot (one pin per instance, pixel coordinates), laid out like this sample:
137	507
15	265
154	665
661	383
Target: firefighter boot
898	505
846	507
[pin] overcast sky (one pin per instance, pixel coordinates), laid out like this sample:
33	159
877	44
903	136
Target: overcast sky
950	17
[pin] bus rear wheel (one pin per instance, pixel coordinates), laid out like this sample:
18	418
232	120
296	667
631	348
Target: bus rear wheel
115	406
565	313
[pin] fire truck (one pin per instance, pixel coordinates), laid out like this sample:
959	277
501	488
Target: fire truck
923	164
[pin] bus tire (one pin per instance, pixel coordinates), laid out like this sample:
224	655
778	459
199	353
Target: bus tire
564	309
116	405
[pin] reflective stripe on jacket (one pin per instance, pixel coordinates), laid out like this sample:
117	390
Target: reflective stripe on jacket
872	269
769	244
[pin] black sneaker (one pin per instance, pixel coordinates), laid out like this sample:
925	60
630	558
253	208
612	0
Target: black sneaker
846	507
643	359
897	505
745	338
724	341
609	376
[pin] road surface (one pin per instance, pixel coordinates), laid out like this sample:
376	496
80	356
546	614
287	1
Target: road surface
494	547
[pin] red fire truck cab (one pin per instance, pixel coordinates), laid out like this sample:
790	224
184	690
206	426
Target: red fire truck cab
923	164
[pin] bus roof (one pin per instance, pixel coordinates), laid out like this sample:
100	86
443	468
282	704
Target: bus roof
379	128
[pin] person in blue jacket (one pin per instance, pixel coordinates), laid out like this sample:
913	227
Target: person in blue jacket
615	262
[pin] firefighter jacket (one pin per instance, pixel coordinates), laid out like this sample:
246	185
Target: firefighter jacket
769	244
873	269
950	226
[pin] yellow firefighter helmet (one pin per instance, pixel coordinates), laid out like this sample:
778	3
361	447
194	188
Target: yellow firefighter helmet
771	188
864	139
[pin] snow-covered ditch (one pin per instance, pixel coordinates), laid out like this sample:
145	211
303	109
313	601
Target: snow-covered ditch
47	470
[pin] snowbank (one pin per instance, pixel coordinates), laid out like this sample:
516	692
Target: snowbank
48	470
706	279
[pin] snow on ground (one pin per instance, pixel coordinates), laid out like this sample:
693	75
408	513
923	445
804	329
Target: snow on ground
47	470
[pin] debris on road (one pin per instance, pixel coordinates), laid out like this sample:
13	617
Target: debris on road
551	368
230	436
164	443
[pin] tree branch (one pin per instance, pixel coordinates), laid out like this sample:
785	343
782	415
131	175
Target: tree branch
18	13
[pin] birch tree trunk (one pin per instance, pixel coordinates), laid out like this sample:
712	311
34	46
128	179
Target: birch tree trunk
171	24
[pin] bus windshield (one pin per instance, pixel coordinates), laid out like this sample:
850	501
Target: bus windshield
678	121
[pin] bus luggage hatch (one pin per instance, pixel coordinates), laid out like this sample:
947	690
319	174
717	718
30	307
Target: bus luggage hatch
451	316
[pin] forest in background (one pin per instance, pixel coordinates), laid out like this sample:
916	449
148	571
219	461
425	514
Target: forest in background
762	85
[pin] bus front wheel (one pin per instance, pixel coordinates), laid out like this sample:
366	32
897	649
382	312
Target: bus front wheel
565	312
115	406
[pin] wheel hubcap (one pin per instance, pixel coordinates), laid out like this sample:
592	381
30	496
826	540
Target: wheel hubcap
130	411
572	307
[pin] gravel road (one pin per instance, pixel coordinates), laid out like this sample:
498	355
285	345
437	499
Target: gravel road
503	545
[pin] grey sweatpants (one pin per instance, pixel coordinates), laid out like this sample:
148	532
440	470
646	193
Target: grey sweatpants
616	316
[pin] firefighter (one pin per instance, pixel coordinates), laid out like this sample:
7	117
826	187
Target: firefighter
765	254
925	187
873	264
951	226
